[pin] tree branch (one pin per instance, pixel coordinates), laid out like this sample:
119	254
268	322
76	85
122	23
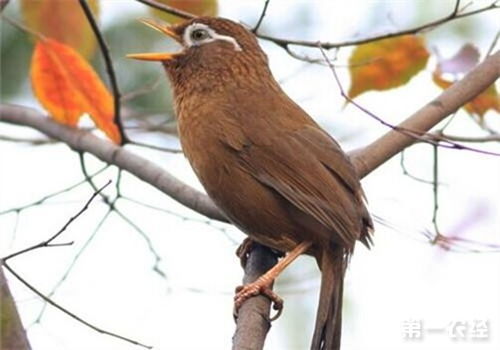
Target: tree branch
144	169
12	334
109	68
253	320
66	311
476	81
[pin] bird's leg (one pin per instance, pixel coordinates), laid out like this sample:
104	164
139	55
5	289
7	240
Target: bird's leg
243	250
263	283
246	247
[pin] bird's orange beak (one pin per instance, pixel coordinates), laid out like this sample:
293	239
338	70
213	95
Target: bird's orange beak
163	28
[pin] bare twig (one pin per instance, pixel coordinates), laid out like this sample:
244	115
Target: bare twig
143	90
168	9
414	30
435	189
109	68
493	43
112	206
72	264
51	195
456	9
22	27
469	139
402	164
67	312
48	242
261	18
31	141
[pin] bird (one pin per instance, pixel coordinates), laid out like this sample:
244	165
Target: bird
270	168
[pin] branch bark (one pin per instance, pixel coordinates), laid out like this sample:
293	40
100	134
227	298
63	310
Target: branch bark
253	321
365	159
12	334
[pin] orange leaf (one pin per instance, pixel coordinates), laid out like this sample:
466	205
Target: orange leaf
62	20
67	86
196	7
483	102
386	64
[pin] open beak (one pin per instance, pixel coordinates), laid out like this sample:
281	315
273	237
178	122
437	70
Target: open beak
160	56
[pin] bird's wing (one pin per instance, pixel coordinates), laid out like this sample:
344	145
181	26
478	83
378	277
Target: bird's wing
308	168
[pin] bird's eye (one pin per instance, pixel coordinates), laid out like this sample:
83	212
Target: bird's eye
199	34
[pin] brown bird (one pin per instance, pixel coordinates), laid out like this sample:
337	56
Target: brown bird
267	165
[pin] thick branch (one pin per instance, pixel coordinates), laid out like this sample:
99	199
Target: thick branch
253	321
12	333
144	169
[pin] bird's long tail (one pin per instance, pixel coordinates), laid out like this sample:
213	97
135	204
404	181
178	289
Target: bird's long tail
328	328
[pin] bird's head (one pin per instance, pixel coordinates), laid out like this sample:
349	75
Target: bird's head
213	47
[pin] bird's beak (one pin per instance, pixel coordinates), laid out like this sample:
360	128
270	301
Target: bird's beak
160	56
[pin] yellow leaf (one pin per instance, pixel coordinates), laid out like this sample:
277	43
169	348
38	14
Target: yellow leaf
62	20
196	7
386	64
481	104
67	86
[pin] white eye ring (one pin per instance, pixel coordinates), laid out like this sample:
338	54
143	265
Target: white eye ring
206	35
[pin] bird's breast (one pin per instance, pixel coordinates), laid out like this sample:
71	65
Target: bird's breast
211	147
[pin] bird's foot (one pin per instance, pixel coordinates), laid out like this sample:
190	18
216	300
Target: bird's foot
244	250
259	287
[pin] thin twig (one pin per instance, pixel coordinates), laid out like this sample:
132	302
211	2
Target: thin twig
493	43
109	68
143	90
31	141
456	9
261	18
435	190
112	206
414	30
168	9
51	195
470	139
208	221
72	264
23	27
48	242
67	312
407	173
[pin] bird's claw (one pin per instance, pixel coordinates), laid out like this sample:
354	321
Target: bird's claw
247	291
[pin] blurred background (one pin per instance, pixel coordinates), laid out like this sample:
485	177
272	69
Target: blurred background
165	275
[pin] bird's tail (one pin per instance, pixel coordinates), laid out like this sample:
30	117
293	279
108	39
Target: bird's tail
328	327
